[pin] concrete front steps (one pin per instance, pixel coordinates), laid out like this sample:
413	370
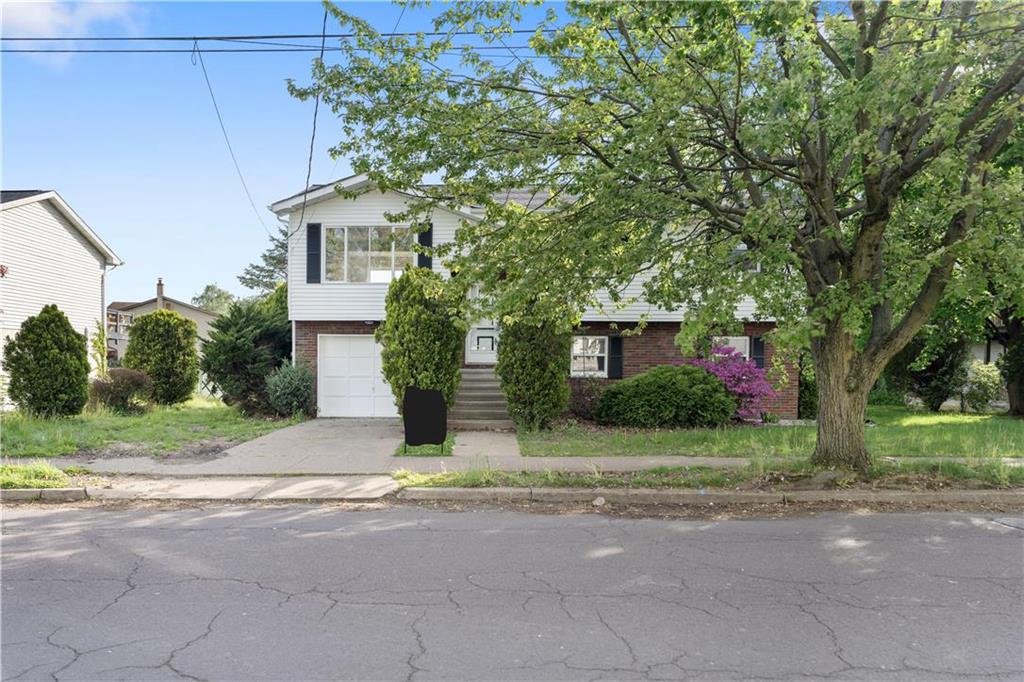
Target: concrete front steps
480	405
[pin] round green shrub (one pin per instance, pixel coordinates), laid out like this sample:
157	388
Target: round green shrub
47	363
246	344
420	338
533	365
667	396
984	383
290	390
123	390
162	344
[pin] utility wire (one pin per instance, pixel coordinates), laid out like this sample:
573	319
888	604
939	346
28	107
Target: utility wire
280	36
196	52
312	138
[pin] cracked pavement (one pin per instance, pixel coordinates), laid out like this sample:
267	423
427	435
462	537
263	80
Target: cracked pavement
304	592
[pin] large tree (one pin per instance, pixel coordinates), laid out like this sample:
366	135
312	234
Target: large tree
214	299
272	269
845	147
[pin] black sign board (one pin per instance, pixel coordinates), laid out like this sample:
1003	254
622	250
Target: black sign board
425	416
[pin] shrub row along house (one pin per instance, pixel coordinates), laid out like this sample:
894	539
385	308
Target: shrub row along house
342	254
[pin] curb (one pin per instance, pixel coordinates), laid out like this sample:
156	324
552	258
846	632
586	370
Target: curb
701	497
44	494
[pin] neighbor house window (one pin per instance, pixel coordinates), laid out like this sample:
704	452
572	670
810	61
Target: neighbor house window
589	356
366	254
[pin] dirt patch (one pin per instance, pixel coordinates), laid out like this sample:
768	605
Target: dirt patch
199	450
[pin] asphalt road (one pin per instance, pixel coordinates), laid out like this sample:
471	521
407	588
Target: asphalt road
310	593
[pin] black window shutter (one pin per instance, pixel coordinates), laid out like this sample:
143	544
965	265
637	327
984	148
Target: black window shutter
313	242
426	239
615	357
757	351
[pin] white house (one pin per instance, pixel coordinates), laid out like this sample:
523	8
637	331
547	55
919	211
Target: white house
341	258
48	254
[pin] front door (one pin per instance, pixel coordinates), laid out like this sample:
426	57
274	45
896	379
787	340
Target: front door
482	344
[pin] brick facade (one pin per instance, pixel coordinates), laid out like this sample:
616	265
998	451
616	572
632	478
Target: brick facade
654	346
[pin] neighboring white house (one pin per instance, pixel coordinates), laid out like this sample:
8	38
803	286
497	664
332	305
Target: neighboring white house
342	254
121	315
48	254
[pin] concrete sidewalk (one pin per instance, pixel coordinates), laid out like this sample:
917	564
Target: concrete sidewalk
350	488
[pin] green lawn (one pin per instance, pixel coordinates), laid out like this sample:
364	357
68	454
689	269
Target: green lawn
33	475
900	432
442	450
758	475
162	430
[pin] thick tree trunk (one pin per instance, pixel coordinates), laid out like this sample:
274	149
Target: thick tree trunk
1015	392
842	400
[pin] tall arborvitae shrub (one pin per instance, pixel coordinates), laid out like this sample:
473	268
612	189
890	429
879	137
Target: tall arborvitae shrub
533	365
48	366
246	344
163	345
420	336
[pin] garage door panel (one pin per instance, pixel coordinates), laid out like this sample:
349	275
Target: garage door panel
349	378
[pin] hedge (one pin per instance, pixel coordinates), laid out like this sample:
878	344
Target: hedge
533	365
667	396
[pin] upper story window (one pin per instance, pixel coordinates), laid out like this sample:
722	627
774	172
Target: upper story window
366	254
589	356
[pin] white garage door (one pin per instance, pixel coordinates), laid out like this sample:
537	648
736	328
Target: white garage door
349	380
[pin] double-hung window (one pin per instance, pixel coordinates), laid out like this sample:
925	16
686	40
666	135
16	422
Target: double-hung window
367	254
589	356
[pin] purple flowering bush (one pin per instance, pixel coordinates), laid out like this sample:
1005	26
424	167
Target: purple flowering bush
744	380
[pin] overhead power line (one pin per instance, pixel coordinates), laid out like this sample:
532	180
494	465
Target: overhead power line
276	36
312	137
198	53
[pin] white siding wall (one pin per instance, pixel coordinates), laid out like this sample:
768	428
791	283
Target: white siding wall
344	301
48	261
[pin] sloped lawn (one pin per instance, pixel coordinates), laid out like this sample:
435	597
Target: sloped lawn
196	424
899	432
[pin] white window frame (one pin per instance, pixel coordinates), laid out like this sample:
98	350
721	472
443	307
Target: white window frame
395	272
584	373
730	341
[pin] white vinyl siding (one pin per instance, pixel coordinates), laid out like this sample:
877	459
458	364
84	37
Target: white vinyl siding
48	261
348	300
365	300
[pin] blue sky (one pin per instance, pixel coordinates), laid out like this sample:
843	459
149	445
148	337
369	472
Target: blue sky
133	144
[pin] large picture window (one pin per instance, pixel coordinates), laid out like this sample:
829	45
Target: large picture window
589	356
367	254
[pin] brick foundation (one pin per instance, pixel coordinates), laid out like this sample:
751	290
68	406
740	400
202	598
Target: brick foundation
654	346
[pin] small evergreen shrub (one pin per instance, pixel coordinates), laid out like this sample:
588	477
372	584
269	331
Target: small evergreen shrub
123	390
886	392
420	338
744	380
807	392
984	383
290	390
162	344
584	396
668	396
246	344
533	365
934	378
48	366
